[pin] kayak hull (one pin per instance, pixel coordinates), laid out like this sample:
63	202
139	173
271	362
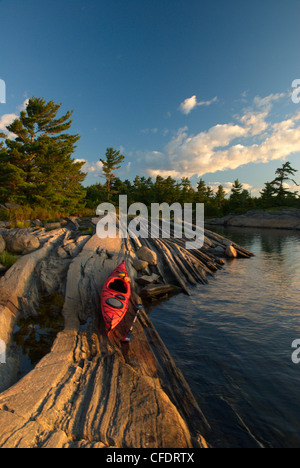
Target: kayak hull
115	297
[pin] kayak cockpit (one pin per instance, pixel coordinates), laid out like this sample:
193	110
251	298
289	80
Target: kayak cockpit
118	285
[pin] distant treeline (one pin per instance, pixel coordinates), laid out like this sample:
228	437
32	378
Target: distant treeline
39	174
239	200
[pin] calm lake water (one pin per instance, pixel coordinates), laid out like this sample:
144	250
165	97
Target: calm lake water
232	339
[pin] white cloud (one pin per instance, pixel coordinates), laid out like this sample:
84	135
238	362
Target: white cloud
208	103
164	173
252	139
255	122
7	119
291	187
24	105
189	104
266	103
91	168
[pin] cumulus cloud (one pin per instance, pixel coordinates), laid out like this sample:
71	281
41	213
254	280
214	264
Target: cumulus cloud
189	104
291	187
23	106
255	122
8	119
252	138
91	168
266	103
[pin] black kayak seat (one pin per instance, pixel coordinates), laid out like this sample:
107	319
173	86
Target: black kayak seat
121	297
115	303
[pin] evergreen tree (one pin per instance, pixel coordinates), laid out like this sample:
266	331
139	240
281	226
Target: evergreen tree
187	194
220	197
240	199
201	192
37	166
284	174
11	180
236	189
143	190
267	195
166	190
209	194
95	195
112	163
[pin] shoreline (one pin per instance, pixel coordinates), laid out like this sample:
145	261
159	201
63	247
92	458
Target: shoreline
285	219
89	390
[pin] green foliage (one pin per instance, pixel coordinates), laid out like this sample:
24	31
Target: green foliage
165	190
240	199
95	194
111	163
27	213
220	197
284	174
7	259
39	174
267	195
36	167
147	191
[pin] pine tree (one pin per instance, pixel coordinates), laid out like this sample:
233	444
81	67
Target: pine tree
95	194
201	192
142	190
236	189
209	194
284	174
267	195
187	194
112	163
220	196
239	197
37	166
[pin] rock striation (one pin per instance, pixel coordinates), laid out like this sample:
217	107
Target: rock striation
90	390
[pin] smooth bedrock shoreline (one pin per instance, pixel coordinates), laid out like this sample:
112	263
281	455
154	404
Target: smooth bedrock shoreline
285	219
91	391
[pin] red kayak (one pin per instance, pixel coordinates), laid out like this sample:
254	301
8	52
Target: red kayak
115	297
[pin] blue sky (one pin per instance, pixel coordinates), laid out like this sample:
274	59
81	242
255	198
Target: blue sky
183	87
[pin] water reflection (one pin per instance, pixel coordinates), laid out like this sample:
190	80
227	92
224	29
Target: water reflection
34	334
232	340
